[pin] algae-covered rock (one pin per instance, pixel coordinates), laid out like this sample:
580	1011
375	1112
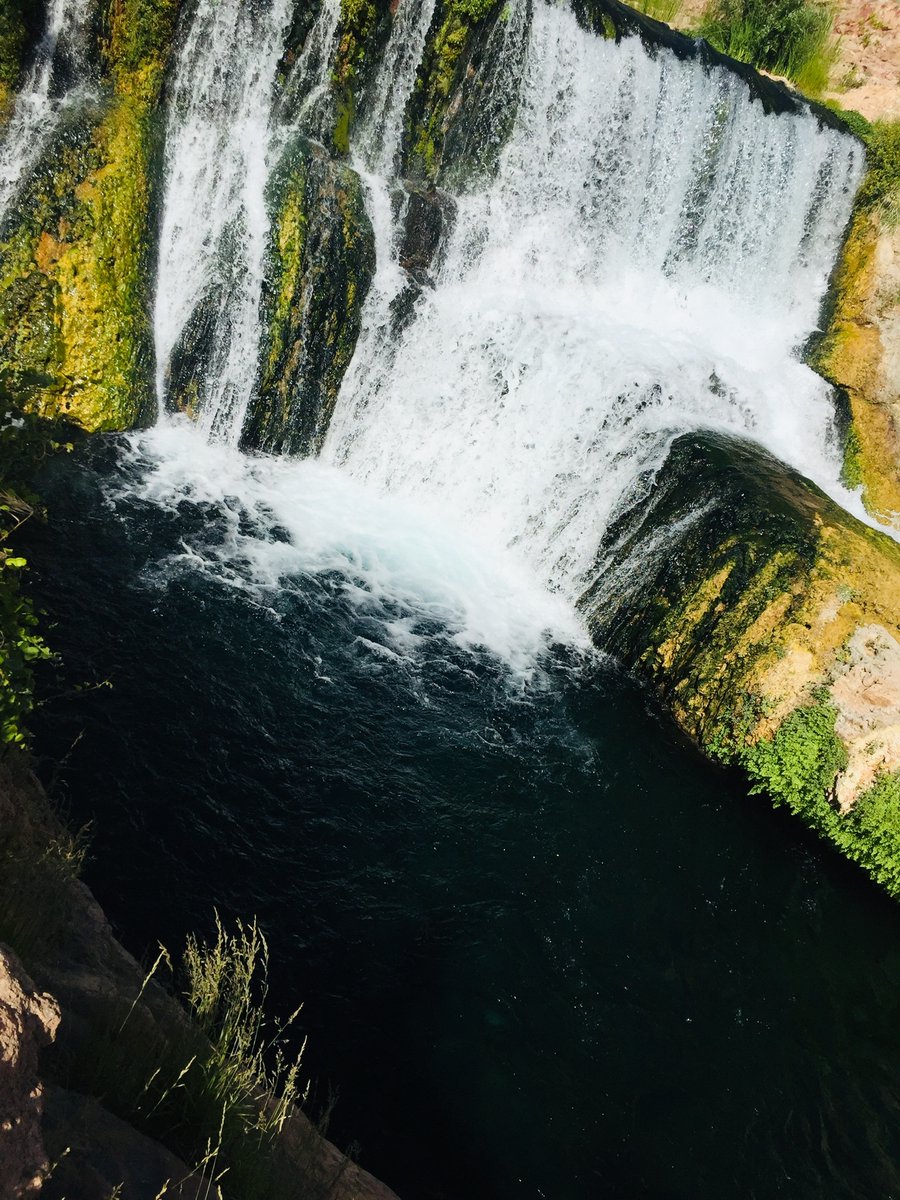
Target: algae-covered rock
769	621
363	30
13	33
75	250
465	100
321	263
861	354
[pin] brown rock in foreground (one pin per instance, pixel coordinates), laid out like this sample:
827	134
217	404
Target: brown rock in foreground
28	1021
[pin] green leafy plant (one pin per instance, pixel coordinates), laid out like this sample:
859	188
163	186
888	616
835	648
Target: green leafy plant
25	440
799	765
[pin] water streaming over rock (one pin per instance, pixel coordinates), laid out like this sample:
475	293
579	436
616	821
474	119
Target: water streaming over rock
648	259
54	79
219	145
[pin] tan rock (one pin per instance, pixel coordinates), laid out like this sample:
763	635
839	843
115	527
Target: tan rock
28	1021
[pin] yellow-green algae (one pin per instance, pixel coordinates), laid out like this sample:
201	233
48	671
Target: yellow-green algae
852	354
458	21
320	265
356	33
73	265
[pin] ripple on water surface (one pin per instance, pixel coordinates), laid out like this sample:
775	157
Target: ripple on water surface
544	949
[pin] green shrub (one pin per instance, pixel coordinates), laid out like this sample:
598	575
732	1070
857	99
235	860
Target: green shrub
872	831
787	37
24	441
799	765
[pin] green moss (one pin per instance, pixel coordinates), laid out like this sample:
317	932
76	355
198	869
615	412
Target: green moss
74	288
137	43
443	60
851	469
74	268
345	112
320	265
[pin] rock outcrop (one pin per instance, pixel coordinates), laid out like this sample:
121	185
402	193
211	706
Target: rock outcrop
28	1021
111	1028
861	355
768	619
75	248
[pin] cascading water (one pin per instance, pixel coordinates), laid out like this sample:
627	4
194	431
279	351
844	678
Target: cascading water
350	694
648	259
652	252
44	94
219	148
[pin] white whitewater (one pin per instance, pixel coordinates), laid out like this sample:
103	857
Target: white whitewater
649	259
220	143
39	102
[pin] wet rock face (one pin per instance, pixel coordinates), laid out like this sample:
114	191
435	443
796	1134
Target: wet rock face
320	265
769	621
28	1021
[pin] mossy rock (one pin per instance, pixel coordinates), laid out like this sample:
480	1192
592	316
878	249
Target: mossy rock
363	32
320	264
768	619
854	355
75	252
465	101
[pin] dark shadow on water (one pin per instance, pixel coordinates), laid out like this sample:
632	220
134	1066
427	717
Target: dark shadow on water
544	949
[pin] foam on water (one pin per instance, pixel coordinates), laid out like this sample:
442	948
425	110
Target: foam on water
425	579
650	257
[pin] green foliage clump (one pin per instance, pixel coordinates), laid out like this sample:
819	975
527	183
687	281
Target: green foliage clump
870	833
787	37
799	765
880	189
24	441
798	768
218	1090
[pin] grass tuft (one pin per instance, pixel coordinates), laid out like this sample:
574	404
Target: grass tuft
792	38
660	10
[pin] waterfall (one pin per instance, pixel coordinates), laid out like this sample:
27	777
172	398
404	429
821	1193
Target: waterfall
43	94
220	142
649	258
378	142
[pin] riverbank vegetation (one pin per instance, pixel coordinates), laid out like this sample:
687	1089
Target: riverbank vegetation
785	37
25	440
